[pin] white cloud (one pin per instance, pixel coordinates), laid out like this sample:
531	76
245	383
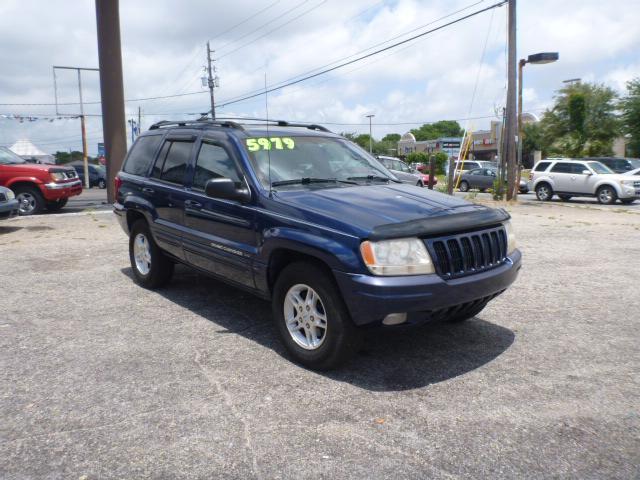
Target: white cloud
429	79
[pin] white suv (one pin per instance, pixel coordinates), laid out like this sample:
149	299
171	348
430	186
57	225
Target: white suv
568	178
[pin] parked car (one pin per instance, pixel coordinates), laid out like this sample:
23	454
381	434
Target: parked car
617	164
404	173
97	175
8	204
306	218
568	178
37	186
468	165
482	179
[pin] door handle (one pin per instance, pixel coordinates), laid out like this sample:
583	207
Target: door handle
192	204
148	190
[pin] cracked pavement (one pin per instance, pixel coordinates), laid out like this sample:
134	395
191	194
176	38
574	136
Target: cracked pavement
100	378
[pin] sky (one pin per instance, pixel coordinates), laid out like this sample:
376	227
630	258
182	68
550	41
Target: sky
455	73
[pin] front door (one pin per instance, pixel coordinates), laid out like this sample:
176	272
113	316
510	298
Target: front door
220	235
165	189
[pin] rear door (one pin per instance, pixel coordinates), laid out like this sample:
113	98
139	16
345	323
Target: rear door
220	235
165	189
561	174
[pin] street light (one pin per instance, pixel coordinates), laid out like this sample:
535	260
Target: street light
370	116
535	59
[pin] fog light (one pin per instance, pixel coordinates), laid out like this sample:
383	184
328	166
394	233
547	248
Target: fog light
395	319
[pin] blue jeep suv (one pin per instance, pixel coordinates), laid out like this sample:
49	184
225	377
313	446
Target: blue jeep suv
309	220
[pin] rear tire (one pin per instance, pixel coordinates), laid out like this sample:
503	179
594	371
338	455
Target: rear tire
565	198
311	317
151	267
30	199
606	195
464	186
102	184
544	192
57	205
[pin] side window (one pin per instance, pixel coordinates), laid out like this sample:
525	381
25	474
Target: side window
213	162
561	167
175	163
541	166
578	168
157	167
141	155
477	171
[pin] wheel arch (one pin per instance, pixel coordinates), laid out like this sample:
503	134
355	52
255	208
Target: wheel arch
282	257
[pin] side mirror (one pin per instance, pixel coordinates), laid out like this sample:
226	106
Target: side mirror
226	189
586	172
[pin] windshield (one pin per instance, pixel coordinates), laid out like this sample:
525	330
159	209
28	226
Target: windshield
7	157
599	167
296	158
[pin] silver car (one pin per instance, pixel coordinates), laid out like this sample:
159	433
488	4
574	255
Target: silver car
402	171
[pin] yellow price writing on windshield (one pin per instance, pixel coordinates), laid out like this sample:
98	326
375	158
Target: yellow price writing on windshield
263	143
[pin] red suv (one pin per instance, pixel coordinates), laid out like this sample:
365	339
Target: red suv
37	186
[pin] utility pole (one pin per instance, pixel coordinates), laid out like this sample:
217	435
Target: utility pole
370	116
139	119
111	89
509	140
83	128
211	83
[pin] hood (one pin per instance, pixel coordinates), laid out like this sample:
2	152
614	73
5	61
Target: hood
37	167
362	210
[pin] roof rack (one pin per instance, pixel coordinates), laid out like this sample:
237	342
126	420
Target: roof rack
184	123
281	123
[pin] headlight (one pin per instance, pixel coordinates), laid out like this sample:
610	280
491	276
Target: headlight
402	256
57	176
511	237
10	195
627	182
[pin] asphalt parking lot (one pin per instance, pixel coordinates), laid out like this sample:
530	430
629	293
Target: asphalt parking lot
103	379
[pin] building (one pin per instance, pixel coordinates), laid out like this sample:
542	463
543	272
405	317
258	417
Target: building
27	150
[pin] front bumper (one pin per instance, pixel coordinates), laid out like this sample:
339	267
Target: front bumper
55	191
9	209
629	191
371	298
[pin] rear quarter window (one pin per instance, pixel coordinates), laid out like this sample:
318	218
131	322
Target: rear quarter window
541	166
142	155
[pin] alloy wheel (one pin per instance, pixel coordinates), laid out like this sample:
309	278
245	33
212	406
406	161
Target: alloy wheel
142	254
305	317
605	195
27	202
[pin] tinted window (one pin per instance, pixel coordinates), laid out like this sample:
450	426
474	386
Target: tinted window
541	166
213	162
176	162
142	154
477	171
561	167
599	167
578	168
157	168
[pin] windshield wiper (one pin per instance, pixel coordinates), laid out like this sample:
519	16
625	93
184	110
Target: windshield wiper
371	177
308	180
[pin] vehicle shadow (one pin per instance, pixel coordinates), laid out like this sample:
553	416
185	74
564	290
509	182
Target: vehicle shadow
8	229
392	359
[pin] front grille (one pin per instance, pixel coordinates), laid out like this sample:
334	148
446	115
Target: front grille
467	253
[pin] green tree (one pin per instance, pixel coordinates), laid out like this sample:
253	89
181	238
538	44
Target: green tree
362	140
630	107
443	128
421	157
66	157
582	122
391	137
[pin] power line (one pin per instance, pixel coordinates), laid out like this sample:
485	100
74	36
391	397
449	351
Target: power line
246	20
293	82
273	29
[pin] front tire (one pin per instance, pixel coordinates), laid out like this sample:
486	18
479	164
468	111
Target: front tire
544	192
464	186
151	267
102	184
311	317
606	195
30	200
57	205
